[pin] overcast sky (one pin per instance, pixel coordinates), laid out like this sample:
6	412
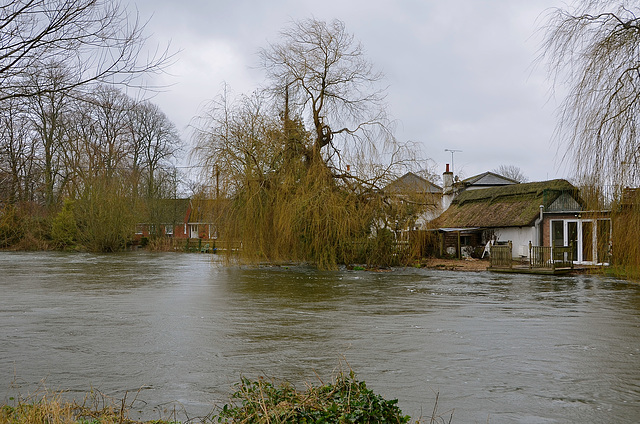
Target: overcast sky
461	73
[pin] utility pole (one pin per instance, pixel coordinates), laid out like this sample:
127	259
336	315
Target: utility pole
452	152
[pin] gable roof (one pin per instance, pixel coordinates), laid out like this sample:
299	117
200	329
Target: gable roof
488	179
514	205
411	183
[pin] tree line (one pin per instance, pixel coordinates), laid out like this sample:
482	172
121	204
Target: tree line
70	135
300	162
57	144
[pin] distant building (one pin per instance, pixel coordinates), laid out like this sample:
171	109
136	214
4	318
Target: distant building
182	219
422	199
452	188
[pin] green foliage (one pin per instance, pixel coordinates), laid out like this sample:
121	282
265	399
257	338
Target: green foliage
64	230
301	213
626	249
24	226
11	226
345	400
105	216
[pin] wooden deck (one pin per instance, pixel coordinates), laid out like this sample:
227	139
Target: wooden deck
544	260
524	269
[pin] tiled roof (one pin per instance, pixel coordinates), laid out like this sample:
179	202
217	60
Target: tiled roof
411	183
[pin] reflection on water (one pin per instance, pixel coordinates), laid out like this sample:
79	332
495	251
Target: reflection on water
511	348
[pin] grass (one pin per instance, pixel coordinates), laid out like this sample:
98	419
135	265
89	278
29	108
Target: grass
46	407
261	401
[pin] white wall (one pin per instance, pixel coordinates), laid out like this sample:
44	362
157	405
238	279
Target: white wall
519	237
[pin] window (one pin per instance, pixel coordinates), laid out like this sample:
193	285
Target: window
557	233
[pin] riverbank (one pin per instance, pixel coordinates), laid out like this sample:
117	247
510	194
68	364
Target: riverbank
260	401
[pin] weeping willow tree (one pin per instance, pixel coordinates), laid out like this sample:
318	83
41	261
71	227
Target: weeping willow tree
301	162
595	49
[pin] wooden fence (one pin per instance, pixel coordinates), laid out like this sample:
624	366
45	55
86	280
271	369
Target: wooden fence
501	256
206	245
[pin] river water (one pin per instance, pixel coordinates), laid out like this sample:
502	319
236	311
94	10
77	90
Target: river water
182	329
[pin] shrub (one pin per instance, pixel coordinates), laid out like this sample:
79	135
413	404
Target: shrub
345	400
105	217
63	226
24	226
11	226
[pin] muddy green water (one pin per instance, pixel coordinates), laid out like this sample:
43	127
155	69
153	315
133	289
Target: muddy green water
183	329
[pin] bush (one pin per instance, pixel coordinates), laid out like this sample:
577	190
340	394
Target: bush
105	217
11	226
63	226
346	400
24	226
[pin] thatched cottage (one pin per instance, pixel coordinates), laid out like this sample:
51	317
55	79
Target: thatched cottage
547	213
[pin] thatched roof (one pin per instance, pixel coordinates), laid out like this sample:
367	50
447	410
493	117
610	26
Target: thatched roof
411	183
515	205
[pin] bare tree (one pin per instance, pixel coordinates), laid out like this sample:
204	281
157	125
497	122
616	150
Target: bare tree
300	161
154	141
319	72
18	155
98	40
239	143
109	107
49	111
595	49
511	171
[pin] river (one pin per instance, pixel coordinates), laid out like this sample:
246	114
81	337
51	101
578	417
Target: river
181	329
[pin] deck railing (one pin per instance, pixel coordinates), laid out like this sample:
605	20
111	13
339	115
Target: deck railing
550	257
539	256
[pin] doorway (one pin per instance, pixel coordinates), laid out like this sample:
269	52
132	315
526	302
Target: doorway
582	235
